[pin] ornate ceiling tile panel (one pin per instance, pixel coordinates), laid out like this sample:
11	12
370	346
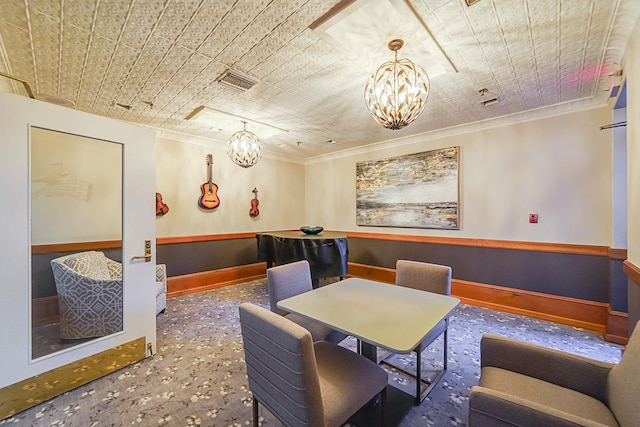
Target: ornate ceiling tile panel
162	59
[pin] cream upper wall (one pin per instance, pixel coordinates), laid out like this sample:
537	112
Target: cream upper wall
632	70
181	170
557	167
76	188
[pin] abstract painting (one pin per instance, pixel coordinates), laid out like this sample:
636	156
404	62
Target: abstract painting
417	190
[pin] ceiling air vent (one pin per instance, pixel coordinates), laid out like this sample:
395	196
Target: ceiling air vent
489	102
486	101
235	81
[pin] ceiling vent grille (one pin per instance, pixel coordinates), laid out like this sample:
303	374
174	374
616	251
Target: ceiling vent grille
235	81
489	102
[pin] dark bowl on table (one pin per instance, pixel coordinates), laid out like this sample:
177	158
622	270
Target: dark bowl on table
311	229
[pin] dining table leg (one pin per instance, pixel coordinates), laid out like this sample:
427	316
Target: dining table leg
369	351
397	403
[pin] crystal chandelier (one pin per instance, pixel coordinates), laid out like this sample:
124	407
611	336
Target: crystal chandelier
244	148
397	92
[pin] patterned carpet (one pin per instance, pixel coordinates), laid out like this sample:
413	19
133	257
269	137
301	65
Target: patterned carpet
197	377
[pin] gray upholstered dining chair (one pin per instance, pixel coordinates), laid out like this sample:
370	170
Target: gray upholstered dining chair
431	278
300	382
288	280
529	385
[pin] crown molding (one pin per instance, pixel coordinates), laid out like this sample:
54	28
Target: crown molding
200	140
583	104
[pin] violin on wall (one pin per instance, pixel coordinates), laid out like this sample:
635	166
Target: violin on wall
161	207
209	198
254	212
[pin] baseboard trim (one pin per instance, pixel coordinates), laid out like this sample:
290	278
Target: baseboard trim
213	279
44	311
569	311
617	329
590	315
364	271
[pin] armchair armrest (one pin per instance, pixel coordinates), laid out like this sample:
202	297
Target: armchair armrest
115	269
563	369
485	404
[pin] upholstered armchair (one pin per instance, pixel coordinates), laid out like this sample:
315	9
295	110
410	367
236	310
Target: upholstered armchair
161	285
161	288
528	385
90	294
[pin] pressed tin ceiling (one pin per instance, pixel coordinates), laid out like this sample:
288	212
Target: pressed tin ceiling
155	62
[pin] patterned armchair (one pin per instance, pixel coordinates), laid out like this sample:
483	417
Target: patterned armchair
161	288
161	283
90	294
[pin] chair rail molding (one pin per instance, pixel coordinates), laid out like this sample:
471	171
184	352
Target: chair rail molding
632	271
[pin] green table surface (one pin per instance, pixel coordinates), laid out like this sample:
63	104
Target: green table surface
387	316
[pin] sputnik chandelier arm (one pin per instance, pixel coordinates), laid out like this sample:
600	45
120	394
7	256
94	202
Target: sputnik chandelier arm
397	92
244	148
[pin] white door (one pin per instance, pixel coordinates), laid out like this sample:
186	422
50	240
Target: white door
18	117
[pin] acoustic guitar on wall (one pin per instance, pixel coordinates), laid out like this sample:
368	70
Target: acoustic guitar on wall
209	198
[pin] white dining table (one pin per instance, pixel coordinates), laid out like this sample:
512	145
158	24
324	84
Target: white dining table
391	317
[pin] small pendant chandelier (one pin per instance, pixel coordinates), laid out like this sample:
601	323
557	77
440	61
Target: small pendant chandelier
397	92
244	148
